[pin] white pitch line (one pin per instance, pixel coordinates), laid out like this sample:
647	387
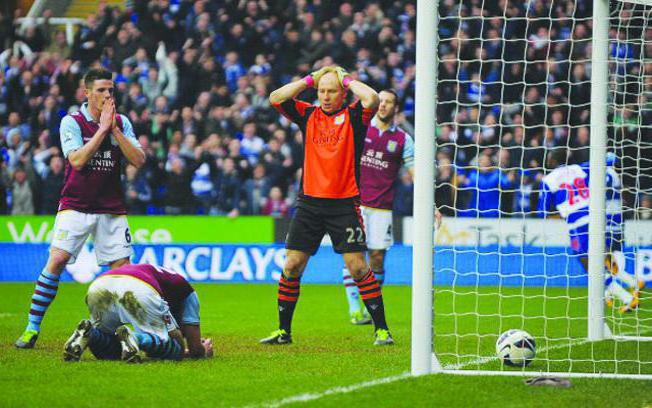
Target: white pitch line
3	315
488	359
311	396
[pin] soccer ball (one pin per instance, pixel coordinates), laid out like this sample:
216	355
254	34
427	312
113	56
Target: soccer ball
516	348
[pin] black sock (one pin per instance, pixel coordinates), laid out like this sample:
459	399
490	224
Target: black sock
372	297
288	294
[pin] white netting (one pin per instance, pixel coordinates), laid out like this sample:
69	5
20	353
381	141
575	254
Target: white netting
514	95
630	120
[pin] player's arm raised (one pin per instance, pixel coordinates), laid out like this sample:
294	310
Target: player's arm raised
362	91
291	90
128	143
79	157
287	91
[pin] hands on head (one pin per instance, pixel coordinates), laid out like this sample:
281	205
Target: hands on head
343	76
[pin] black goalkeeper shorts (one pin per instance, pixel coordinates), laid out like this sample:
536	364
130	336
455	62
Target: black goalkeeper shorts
309	224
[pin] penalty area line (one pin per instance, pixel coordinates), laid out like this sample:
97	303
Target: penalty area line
311	396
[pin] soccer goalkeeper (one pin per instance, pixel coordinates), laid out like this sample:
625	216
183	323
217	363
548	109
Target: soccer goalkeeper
328	201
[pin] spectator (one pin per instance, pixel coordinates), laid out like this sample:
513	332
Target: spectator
275	205
242	164
137	191
404	198
277	164
203	182
5	185
256	189
52	183
524	91
22	199
262	67
444	193
189	122
178	196
484	184
15	124
523	199
233	70
250	144
228	199
59	45
152	85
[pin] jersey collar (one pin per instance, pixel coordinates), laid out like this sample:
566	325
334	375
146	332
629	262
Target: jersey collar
334	112
86	113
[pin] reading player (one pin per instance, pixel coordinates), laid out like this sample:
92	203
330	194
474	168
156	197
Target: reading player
566	191
329	197
94	141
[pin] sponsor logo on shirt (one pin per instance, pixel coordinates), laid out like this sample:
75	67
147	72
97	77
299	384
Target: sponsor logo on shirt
328	137
102	161
374	158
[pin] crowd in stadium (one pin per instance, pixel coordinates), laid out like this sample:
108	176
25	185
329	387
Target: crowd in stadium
194	78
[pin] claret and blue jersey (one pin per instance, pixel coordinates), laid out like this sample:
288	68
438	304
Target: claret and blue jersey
566	191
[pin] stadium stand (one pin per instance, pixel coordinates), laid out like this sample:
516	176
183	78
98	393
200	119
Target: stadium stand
194	76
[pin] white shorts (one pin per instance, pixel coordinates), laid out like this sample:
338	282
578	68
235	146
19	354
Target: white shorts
378	227
111	236
115	300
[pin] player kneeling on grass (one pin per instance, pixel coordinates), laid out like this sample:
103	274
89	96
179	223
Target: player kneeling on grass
150	299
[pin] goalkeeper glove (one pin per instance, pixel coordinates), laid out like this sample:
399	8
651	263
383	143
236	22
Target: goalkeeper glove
344	77
312	80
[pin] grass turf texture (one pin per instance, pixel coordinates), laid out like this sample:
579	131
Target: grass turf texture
328	352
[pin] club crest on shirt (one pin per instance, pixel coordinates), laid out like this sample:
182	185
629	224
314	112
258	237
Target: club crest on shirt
339	119
391	146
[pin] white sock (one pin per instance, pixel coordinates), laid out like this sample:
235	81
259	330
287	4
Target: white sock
352	293
615	288
628	279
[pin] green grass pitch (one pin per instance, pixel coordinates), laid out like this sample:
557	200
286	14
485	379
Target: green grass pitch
328	353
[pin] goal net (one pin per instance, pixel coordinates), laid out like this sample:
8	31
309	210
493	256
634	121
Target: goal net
544	176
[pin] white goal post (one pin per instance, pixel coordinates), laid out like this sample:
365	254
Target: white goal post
606	344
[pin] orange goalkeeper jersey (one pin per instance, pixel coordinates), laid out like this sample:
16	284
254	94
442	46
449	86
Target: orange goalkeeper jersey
332	146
